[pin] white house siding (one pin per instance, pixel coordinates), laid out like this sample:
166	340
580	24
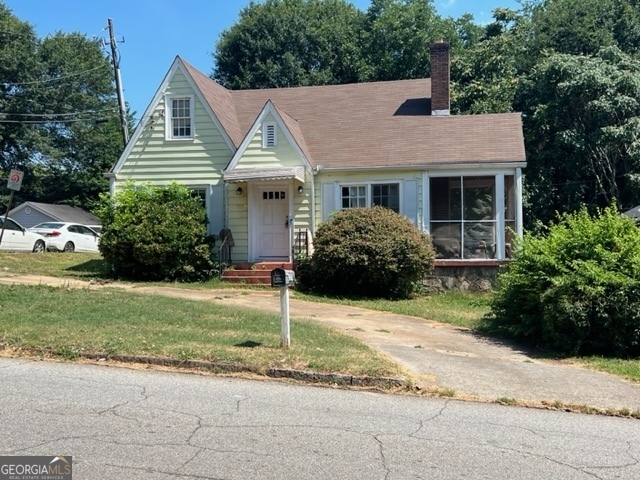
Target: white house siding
406	179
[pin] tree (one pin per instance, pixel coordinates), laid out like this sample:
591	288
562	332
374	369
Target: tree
583	27
18	66
399	36
58	119
582	119
155	233
83	140
485	73
286	43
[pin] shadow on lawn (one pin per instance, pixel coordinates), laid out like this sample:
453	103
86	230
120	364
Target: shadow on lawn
91	268
248	344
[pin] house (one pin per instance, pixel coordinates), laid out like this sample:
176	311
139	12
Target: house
29	214
634	213
272	164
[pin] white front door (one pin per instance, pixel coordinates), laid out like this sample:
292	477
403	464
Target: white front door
272	225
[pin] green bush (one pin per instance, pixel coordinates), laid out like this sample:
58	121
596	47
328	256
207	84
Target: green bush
155	233
372	252
576	289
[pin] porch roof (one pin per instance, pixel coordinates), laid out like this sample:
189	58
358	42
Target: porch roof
262	174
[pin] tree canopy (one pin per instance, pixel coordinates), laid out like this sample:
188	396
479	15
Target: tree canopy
58	113
287	43
570	66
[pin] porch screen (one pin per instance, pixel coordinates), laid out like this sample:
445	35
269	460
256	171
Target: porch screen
463	217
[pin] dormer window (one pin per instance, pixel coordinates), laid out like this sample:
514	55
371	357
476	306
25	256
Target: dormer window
181	118
270	137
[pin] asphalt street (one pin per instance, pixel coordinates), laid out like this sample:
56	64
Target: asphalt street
141	424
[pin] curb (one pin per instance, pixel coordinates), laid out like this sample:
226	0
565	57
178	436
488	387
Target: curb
219	367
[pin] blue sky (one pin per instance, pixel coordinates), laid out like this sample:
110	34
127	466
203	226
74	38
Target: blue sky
154	32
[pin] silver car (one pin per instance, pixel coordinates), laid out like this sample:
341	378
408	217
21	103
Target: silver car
16	238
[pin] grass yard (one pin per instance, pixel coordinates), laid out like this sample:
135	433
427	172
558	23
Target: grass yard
457	308
73	265
68	321
462	309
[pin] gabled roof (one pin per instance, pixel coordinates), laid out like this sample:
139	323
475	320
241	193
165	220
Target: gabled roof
633	213
377	124
364	125
61	213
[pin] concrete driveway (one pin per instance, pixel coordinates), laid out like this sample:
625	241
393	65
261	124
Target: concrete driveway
437	354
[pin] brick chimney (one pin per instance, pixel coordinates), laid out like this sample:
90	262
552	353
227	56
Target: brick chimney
440	78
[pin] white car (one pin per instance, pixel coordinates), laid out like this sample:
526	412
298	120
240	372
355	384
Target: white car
16	238
68	237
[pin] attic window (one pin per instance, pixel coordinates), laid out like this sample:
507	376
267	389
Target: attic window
270	138
181	118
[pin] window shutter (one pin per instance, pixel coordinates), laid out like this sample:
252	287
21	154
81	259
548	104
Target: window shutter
215	210
410	200
328	200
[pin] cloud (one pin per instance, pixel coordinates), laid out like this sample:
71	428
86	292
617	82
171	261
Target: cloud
448	3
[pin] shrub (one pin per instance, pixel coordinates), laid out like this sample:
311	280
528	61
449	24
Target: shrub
576	289
371	252
155	234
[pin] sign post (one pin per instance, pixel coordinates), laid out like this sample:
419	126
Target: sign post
14	184
283	279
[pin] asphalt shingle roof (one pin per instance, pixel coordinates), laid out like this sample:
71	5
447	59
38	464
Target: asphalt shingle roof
377	124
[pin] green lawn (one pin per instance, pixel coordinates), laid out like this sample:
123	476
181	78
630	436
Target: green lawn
112	321
457	308
462	309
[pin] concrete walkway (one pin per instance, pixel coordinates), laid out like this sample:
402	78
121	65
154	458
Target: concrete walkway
438	354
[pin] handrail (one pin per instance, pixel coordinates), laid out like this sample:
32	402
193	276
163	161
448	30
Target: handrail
224	254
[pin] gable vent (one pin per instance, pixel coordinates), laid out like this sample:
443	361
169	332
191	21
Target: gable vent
270	138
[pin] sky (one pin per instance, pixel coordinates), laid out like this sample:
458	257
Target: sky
152	32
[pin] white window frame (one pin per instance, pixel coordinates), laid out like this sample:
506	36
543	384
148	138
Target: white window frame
501	221
266	137
169	99
369	192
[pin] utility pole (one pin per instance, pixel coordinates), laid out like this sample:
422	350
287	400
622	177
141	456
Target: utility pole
116	70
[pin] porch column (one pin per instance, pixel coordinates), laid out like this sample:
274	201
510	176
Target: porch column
500	226
426	193
519	215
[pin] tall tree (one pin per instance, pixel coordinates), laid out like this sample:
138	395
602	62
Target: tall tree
582	127
285	43
81	140
583	27
399	34
485	73
58	115
18	67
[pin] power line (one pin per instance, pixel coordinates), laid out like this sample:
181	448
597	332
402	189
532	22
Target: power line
110	109
62	77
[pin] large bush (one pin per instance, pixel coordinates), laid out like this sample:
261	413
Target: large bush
372	252
156	234
577	288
